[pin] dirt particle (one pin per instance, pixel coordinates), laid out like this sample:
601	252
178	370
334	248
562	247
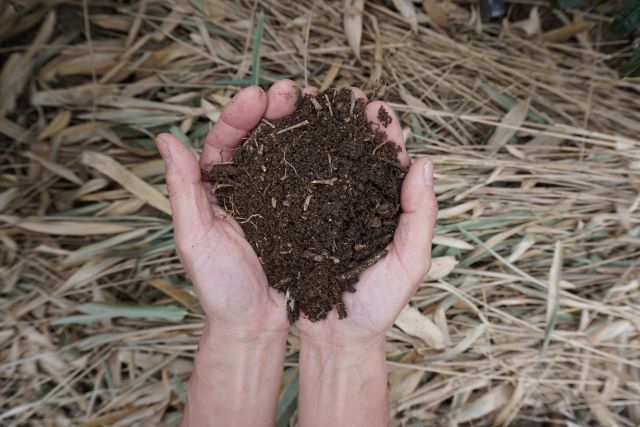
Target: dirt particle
384	117
375	222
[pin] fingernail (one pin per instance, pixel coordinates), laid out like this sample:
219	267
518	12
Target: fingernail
428	173
163	147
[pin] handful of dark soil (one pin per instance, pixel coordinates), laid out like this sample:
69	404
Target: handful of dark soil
318	197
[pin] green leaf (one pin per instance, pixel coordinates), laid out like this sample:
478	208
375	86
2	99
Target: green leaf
632	67
179	389
288	399
198	5
177	132
507	103
628	19
257	41
101	311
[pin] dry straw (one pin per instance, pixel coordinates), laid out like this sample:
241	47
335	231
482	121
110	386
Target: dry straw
531	310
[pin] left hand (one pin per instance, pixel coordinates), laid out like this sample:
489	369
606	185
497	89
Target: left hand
385	288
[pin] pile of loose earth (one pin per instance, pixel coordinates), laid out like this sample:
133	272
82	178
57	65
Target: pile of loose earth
318	197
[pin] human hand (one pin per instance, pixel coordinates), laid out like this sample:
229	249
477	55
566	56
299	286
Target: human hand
225	270
385	288
343	375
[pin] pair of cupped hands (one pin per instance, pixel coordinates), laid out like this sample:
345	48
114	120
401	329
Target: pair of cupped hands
224	268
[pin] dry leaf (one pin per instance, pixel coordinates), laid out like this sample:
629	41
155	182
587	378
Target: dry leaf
563	34
56	168
523	246
531	26
76	96
14	131
352	21
110	22
417	325
609	331
554	283
71	228
437	13
599	408
17	69
490	402
149	168
86	252
181	296
211	111
495	239
504	415
408	11
463	345
58	123
457	210
127	179
441	267
451	242
83	64
6	197
331	74
121	207
509	124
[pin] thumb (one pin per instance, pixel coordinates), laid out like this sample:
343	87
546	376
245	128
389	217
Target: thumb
189	203
412	239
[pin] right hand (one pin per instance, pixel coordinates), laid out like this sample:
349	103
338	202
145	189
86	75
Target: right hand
224	268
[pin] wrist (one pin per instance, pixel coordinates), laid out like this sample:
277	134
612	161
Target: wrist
331	375
239	335
343	355
332	365
232	368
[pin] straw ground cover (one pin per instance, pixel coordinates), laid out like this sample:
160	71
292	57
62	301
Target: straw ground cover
530	313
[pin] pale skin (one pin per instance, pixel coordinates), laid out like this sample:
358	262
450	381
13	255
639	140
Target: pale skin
238	367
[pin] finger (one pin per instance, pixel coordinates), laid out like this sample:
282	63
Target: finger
282	99
189	203
358	93
310	90
238	118
393	130
411	247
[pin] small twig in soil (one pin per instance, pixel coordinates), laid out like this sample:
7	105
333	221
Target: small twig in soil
325	181
306	202
245	220
330	163
282	282
328	104
290	302
315	103
351	107
269	123
219	186
284	160
297	125
379	146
